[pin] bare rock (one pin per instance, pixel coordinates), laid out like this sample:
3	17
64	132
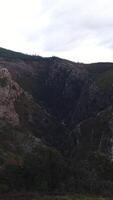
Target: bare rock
9	92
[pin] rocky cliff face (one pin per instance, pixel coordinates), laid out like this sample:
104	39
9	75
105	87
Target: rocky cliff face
10	91
70	92
54	83
54	111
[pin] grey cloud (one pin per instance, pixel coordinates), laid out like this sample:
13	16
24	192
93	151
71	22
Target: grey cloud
73	22
68	24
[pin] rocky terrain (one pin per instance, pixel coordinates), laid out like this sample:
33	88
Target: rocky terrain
56	125
9	92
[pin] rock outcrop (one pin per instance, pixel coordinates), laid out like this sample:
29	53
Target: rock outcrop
9	92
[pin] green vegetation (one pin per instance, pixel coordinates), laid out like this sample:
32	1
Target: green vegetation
3	82
43	155
86	169
105	80
73	197
96	69
31	196
11	55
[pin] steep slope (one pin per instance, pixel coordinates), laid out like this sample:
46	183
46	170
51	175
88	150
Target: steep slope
9	92
28	134
98	94
54	83
18	108
69	91
95	134
56	119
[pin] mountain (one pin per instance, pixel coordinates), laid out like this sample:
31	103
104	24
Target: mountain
56	125
69	91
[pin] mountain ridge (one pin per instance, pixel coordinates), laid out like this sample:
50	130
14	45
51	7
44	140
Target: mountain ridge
64	139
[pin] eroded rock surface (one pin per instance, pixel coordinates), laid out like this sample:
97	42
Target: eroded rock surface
9	92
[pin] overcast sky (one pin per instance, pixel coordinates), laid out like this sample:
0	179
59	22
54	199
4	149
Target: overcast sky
79	30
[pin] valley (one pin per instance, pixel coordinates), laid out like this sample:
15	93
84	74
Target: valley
56	126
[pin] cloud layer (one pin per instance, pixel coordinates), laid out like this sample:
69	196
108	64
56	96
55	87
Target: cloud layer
79	30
